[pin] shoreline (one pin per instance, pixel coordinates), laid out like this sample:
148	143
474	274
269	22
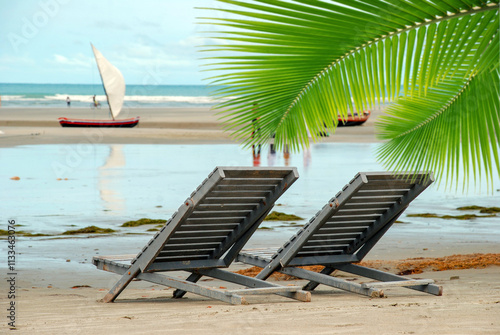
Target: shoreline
31	126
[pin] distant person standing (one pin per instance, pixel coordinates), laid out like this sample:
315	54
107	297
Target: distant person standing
255	130
68	101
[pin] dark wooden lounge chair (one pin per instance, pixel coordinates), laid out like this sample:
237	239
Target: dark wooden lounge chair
344	231
206	234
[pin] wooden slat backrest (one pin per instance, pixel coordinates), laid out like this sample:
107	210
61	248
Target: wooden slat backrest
219	212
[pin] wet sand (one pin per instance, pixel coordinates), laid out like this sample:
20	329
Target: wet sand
47	303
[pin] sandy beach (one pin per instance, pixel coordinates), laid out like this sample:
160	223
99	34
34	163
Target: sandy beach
24	126
62	296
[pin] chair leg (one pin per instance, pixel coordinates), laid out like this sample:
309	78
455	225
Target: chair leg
193	277
385	277
184	285
312	285
333	282
120	285
253	283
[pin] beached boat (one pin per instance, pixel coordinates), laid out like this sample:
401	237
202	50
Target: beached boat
114	87
124	123
353	119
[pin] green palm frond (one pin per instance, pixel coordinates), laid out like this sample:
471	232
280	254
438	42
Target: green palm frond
454	128
295	66
423	138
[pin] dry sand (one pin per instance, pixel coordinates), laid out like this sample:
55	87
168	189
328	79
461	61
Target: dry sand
470	304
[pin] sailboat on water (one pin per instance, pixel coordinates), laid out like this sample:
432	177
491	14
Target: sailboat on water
114	86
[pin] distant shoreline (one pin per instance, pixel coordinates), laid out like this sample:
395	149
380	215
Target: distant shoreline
81	95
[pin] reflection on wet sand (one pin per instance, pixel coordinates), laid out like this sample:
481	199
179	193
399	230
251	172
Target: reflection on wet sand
286	155
272	156
109	173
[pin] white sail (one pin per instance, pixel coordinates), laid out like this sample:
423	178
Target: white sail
113	82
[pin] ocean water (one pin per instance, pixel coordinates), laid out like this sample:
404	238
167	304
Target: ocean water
65	186
54	95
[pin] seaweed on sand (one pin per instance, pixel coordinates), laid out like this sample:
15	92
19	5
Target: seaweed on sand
22	233
279	216
89	230
143	221
423	215
450	217
481	209
405	266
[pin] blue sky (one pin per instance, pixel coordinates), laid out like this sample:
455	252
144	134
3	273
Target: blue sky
150	41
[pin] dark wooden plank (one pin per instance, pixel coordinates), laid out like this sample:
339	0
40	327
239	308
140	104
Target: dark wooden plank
369	216
228	207
383	198
207	226
381	192
239	193
248	187
219	214
386	186
323	260
371	210
253	181
185	265
209	220
329	241
179	258
256	173
237	200
367	205
185	240
202	233
331	246
350	223
319	236
201	245
318	253
342	230
414	178
190	252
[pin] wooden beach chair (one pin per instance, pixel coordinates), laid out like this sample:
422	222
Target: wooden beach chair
344	231
206	234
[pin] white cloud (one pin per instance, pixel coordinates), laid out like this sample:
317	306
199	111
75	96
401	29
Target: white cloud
79	60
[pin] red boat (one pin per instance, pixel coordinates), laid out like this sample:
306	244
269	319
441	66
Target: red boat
114	87
353	120
125	123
